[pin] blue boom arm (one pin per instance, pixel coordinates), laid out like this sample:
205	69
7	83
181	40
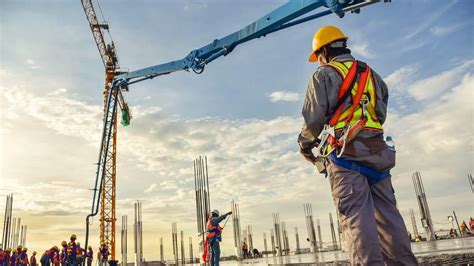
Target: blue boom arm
283	17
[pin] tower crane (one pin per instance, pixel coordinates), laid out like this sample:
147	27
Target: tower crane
291	13
108	155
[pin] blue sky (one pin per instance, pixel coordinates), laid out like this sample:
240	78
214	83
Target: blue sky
243	111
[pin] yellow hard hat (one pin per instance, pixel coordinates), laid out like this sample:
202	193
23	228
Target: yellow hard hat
25	249
325	35
73	237
63	243
34	252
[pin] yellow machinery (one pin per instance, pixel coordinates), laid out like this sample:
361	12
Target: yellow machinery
107	187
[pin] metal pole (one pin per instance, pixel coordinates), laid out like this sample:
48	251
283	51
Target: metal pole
457	222
272	238
471	182
161	250
191	256
297	238
319	236
333	233
5	222
265	244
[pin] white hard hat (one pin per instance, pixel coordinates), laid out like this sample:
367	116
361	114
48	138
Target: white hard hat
216	212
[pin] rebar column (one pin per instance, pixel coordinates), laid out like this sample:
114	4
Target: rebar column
138	232
423	205
183	257
308	211
203	202
162	257
249	236
320	238
297	238
276	224
272	238
174	234
333	232
237	230
191	255
265	244
123	237
286	248
413	223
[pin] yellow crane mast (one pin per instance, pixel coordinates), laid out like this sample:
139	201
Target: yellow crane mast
108	192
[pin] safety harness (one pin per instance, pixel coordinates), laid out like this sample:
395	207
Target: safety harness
346	122
214	232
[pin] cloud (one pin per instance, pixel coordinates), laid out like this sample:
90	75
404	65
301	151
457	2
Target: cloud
284	96
31	64
362	48
427	22
400	79
435	85
151	188
445	29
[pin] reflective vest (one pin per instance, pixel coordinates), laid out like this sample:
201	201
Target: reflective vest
353	113
213	230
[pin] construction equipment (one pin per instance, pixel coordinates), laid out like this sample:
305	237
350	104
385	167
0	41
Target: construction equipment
287	15
108	154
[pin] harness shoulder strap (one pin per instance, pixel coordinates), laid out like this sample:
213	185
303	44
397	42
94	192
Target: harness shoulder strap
345	90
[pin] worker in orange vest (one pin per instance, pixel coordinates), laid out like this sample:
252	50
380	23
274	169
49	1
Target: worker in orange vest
213	237
344	109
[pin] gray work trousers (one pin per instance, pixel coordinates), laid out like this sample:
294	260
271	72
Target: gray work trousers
373	228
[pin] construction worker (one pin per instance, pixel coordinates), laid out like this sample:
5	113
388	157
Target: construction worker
33	259
63	254
346	101
22	259
80	253
213	237
103	254
245	251
89	256
72	251
14	257
2	256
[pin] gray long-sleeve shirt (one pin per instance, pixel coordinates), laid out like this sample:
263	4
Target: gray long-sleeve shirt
321	99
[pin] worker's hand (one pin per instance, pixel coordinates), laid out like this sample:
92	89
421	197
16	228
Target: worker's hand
308	154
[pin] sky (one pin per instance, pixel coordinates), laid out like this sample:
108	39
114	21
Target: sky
243	113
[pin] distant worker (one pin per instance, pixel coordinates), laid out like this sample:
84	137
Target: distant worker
72	251
80	254
63	254
256	253
44	258
33	259
2	256
89	256
13	257
213	237
471	224
103	254
346	102
23	257
245	251
52	256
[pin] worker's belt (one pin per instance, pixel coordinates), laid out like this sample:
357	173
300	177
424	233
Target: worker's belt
373	176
